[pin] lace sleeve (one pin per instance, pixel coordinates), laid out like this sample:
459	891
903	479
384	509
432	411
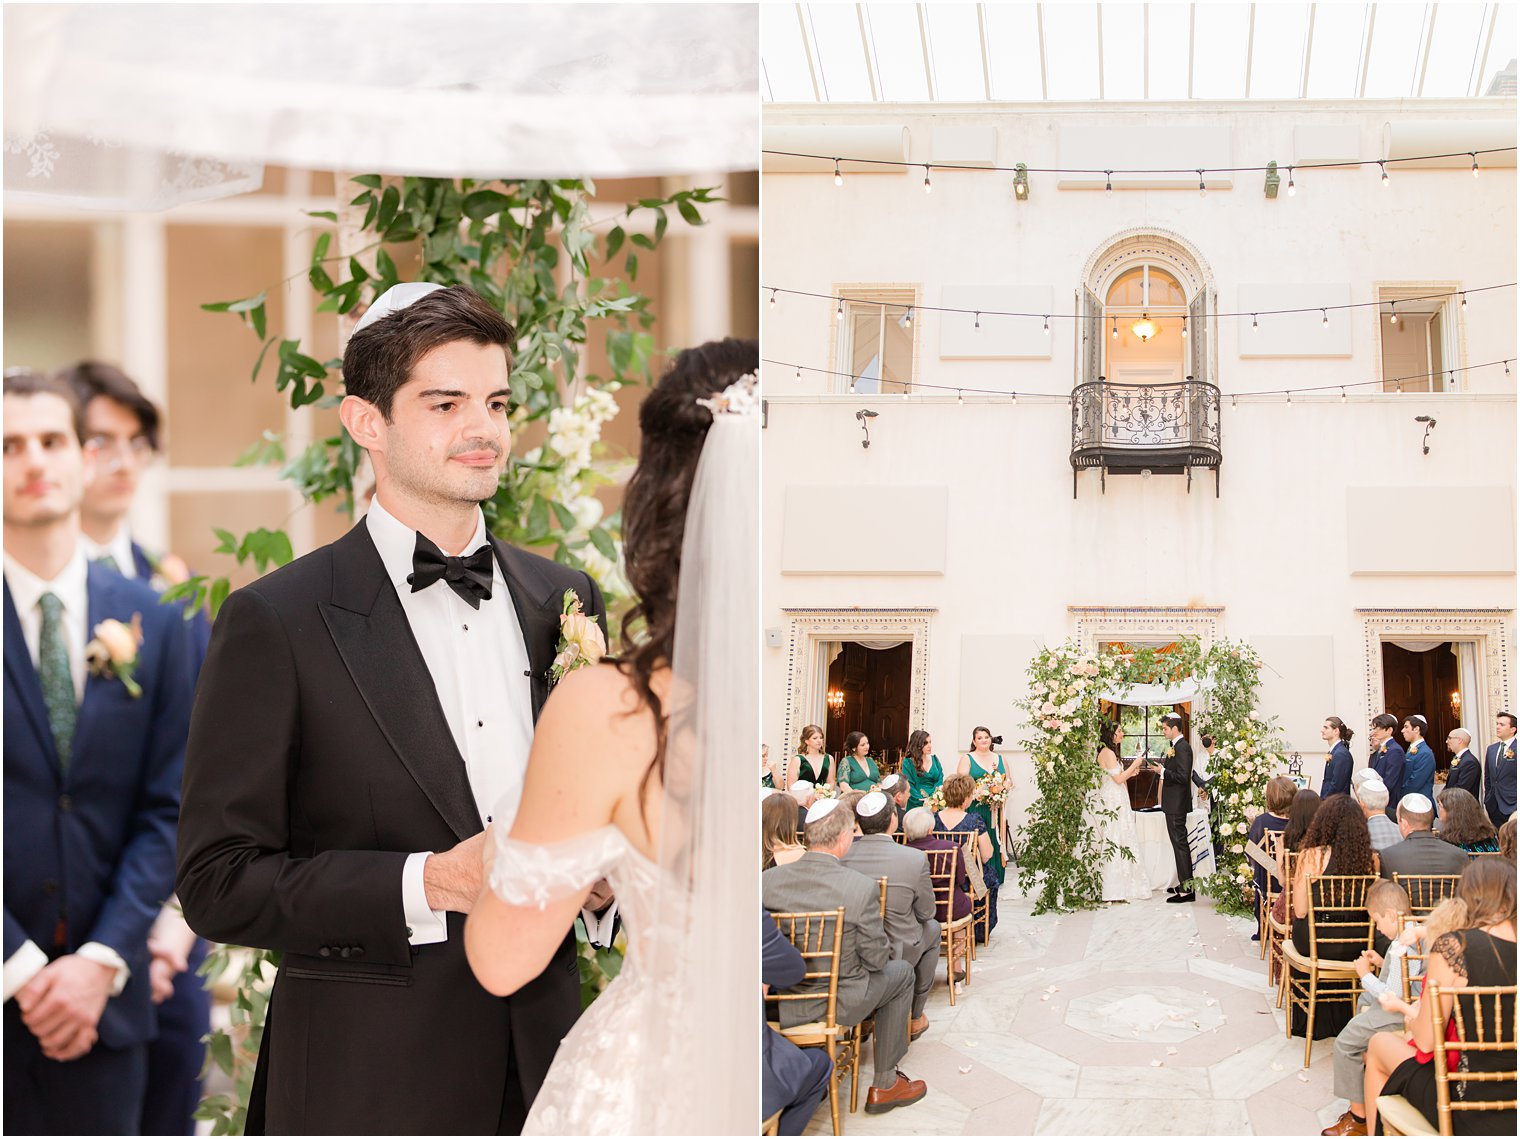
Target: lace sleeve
530	874
1451	947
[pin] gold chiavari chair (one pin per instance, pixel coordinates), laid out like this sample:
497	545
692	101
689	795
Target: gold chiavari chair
1408	976
1426	891
1484	1016
1338	921
981	907
818	935
1280	932
1474	855
1271	843
953	929
772	1125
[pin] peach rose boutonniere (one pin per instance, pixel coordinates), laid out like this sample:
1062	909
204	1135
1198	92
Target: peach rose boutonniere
580	640
1171	753
168	570
114	652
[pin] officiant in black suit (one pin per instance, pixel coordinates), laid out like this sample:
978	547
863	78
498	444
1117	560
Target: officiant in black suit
361	714
1176	800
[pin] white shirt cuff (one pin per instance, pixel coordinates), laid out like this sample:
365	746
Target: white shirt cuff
21	966
105	955
599	930
424	925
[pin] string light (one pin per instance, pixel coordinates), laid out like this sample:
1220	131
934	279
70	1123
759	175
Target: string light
1184	328
928	186
1116	328
1108	187
1203	191
1475	163
799	373
1464	302
839	312
908	317
838	177
1014	396
905	393
960	398
773	298
1393	312
1292	189
1047	325
1254	326
1324	318
978	320
1343	395
1506	367
1384	169
1290	398
852	385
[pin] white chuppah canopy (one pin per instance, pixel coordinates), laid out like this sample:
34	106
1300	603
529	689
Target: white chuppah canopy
145	106
1152	695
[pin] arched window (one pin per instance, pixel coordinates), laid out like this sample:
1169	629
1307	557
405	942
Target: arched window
1145	310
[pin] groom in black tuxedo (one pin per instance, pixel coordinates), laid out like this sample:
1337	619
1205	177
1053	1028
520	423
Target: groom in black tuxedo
361	715
1176	799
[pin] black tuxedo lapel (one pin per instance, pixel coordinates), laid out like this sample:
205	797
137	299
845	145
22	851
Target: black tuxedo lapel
375	640
538	603
21	674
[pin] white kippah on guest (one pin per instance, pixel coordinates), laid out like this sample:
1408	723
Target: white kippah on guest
767	792
821	809
890	782
1416	804
1366	774
872	804
394	299
801	785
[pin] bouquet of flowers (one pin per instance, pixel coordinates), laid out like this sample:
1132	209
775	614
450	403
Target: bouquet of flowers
824	791
936	801
992	789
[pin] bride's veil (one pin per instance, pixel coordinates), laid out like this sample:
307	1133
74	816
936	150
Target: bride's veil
703	1054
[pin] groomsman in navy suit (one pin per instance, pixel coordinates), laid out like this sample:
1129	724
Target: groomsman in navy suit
122	431
1499	772
92	774
1387	759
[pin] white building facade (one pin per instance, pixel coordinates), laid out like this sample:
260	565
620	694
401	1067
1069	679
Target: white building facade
1022	486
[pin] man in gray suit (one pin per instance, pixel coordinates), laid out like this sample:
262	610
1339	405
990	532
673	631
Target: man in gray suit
1422	851
910	923
871	982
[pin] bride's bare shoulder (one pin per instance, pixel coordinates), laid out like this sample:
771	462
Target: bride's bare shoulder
601	703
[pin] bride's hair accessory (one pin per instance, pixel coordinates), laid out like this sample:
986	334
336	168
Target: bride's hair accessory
737	399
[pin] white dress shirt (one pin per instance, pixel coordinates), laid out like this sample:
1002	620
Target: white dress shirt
118	548
479	664
71	587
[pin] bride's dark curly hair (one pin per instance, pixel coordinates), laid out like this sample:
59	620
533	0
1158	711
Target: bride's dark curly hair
673	427
1106	730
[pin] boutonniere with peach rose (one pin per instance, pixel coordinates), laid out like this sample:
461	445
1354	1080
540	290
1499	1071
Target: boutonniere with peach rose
1171	753
115	650
580	640
1382	747
168	570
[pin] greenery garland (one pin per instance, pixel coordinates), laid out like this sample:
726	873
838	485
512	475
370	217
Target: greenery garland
1060	852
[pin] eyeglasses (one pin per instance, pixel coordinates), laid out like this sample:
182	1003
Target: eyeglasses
115	452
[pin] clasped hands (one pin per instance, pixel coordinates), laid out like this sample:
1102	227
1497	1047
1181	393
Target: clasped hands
62	1005
453	879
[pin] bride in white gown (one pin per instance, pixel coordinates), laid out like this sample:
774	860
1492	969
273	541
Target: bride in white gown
1123	878
625	780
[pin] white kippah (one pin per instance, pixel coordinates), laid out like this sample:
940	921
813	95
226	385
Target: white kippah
872	804
394	299
802	785
1416	804
821	809
890	782
767	792
1366	774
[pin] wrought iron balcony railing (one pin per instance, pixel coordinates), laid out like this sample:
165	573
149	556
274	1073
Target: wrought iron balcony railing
1138	428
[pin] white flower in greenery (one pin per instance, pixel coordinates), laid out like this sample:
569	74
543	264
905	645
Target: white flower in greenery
1238	848
1242	828
1234	798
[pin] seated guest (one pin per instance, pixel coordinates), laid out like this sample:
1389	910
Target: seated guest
1336	843
1301	813
793	1080
871	982
958	790
1388	904
918	825
778	831
1479	953
1466	769
1279	797
1373	798
1419	760
1465	823
1507	839
1338	762
910	922
772	773
895	787
1422	851
858	771
1387	757
849	800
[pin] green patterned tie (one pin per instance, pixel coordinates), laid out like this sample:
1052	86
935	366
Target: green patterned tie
108	561
57	678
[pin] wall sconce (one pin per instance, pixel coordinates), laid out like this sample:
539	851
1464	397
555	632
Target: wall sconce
865	415
836	703
1456	703
1021	182
1430	424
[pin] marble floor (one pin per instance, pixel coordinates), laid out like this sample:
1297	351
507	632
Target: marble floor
1136	1019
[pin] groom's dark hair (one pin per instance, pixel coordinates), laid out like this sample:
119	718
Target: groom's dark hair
1172	720
380	357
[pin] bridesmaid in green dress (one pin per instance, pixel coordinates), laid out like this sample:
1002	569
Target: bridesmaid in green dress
859	770
811	761
978	763
922	768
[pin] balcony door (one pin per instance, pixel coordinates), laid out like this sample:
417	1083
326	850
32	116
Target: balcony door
1144	313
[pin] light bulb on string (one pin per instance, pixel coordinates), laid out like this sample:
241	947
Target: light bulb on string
1290	398
960	398
1014	396
1475	163
1254	326
1203	191
928	186
1116	328
1292	189
1047	325
1234	401
1506	367
1108	187
1324	318
908	317
1464	302
1184	328
1384	169
1343	395
1393	313
978	322
852	385
799	373
838	177
839	312
773	298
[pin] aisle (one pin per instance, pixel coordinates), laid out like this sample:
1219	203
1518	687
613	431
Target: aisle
1140	1019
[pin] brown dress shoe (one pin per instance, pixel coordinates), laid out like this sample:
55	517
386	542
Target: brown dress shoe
900	1094
917	1027
1347	1124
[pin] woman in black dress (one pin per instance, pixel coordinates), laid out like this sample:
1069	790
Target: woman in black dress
1481	955
1337	843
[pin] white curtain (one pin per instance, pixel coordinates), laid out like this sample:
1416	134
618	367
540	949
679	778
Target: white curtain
145	106
879	643
1467	685
1416	646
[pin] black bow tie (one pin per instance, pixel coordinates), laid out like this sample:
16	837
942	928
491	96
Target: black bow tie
469	576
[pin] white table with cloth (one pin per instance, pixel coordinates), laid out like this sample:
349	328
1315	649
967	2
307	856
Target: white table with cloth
1155	852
